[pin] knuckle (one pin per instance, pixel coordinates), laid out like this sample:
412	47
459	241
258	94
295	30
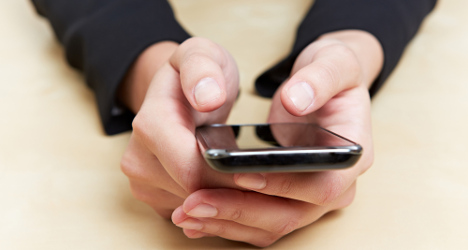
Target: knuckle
201	48
331	190
348	201
328	75
188	177
141	194
133	170
130	169
139	124
285	187
347	55
219	229
342	50
194	59
234	211
347	198
331	73
236	214
126	165
145	127
287	226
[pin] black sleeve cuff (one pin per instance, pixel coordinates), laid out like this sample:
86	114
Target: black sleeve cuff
393	22
103	38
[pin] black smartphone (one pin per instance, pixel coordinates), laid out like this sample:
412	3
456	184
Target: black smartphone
275	147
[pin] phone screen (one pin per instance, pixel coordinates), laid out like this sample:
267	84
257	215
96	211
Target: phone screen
263	136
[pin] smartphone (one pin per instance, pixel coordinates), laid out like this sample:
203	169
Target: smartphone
275	147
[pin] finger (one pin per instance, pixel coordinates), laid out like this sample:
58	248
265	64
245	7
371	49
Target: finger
273	216
321	188
194	234
252	209
166	126
278	114
320	72
208	73
348	114
144	169
224	229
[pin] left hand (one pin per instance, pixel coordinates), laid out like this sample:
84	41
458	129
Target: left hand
328	86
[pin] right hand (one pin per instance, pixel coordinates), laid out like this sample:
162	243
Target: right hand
197	85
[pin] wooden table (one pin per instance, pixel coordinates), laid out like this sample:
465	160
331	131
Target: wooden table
62	187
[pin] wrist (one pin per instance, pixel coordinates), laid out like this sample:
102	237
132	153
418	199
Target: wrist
133	88
367	49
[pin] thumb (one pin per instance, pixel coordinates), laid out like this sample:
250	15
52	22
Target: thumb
203	67
319	76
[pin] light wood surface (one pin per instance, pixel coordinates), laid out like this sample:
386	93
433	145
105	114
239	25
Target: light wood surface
60	182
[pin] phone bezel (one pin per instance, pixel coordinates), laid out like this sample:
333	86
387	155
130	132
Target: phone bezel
215	157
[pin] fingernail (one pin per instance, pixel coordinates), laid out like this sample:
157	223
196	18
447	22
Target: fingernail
197	235
302	95
191	224
203	210
251	181
206	91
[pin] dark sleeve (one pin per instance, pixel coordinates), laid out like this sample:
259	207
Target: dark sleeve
103	38
393	22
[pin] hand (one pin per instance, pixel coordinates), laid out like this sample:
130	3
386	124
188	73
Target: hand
328	86
195	83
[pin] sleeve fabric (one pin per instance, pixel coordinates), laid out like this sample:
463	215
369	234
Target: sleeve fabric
102	38
393	22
